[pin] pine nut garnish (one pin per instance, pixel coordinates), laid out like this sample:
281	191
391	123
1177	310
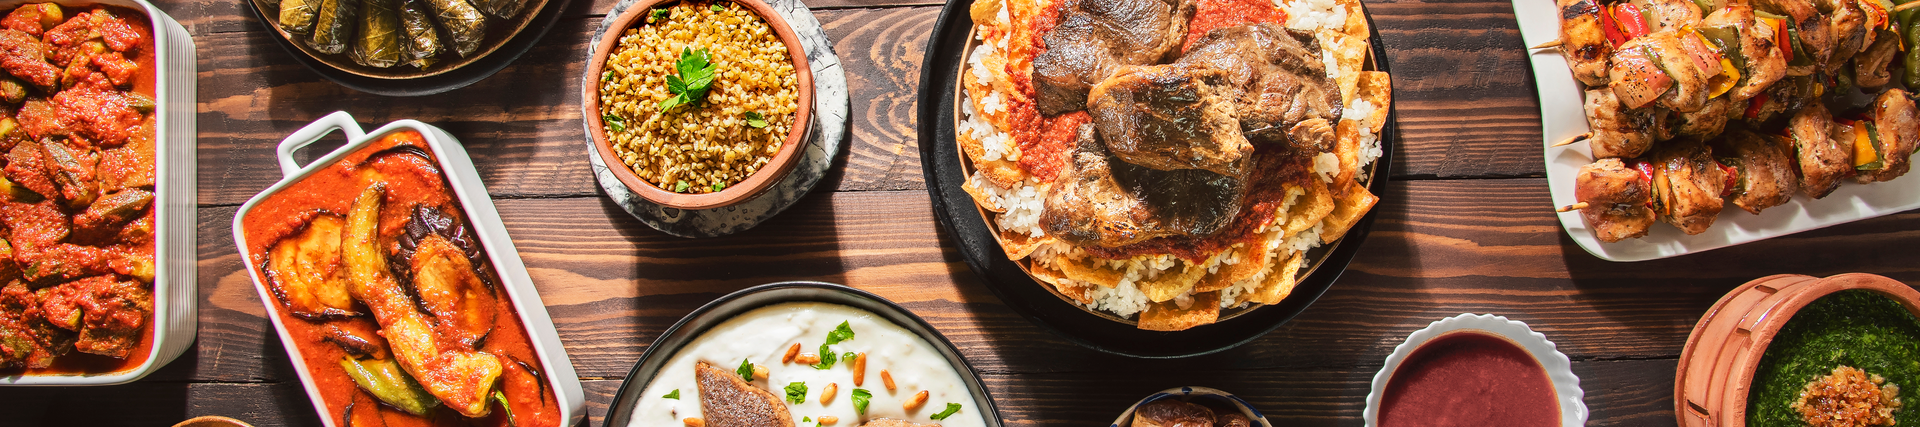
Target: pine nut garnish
859	369
760	373
918	400
827	420
791	352
826	394
807	359
886	378
694	422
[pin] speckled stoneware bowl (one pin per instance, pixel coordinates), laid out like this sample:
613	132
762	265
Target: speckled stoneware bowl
776	168
1711	384
1573	410
1196	394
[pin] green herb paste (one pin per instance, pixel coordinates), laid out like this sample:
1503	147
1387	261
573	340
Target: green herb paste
1856	328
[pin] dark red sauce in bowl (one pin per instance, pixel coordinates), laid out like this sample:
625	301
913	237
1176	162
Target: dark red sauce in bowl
1469	379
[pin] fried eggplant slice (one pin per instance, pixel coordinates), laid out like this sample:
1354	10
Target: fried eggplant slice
305	271
460	379
451	290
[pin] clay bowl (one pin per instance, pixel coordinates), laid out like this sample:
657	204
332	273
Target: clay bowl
1711	384
776	168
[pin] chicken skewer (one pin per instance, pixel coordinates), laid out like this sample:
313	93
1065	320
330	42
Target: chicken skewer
1685	183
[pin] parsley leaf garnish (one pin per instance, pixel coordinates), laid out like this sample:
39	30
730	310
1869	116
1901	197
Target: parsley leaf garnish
746	370
718	186
614	123
755	119
806	419
680	187
658	15
718	8
675	394
951	408
797	393
695	78
840	333
860	398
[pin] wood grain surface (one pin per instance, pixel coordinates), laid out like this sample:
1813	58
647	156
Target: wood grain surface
1465	225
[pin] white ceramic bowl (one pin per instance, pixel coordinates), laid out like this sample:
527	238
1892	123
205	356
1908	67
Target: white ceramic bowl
1573	411
1204	394
175	305
465	181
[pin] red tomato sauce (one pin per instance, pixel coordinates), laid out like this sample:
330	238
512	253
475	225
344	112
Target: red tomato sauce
1209	15
1469	379
411	181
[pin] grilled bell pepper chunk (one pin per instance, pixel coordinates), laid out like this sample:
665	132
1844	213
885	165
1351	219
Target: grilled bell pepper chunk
1867	154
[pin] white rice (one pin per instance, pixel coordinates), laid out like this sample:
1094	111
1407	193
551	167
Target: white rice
1327	165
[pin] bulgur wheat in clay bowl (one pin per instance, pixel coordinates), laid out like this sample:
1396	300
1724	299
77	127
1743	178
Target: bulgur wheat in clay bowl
705	103
1183	173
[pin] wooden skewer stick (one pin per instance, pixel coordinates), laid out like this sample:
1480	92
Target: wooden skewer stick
1909	5
1575	138
1572	207
1557	42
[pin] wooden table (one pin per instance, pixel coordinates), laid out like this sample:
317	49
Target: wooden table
1465	225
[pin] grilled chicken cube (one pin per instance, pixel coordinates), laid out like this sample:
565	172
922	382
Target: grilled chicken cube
1760	59
1583	41
1765	169
1618	131
1618	198
1823	159
1687	184
1899	133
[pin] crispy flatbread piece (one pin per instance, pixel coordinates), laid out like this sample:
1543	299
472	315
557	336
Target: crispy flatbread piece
1279	282
1168	316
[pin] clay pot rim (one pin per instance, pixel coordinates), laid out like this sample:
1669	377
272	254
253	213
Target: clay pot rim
776	168
1559	369
1765	305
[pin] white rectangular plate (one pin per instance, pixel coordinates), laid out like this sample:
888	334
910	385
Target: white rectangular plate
1561	118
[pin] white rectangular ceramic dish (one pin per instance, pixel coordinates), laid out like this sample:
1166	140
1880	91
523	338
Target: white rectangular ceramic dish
1561	118
480	214
175	307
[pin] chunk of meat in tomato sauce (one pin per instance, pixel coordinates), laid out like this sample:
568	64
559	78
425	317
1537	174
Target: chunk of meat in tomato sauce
33	228
115	33
65	261
94	110
32	19
27	168
25	57
109	314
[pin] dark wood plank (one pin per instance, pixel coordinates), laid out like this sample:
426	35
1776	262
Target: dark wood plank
1619	392
1440	248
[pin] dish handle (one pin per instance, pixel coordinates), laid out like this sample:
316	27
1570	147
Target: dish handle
313	132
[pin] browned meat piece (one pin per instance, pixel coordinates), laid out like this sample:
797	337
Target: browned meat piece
727	400
1096	37
73	169
64	262
1172	413
1617	131
26	57
889	422
103	220
1893	118
1765	168
1812	26
1229	419
1170	117
1870	68
1277	79
40	119
1762	60
1687	185
1823	159
127	166
1618	198
34	228
109	314
1583	41
20	343
1103	201
27	167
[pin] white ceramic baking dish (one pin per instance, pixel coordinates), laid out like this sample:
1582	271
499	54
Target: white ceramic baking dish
175	307
472	194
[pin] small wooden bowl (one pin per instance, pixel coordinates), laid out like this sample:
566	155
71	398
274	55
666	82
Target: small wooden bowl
776	168
1716	369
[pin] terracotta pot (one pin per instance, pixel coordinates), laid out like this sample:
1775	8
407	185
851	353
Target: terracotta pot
776	168
1716	368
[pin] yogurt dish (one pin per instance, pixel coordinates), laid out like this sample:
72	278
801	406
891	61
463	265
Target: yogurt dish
802	354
